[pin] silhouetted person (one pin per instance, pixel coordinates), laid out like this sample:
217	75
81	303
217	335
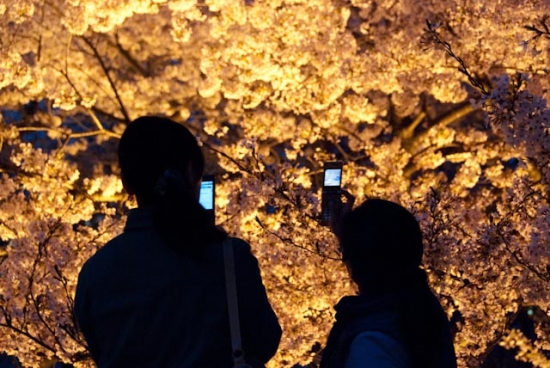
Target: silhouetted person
395	321
155	296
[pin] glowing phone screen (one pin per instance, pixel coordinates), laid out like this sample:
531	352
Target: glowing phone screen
333	177
206	196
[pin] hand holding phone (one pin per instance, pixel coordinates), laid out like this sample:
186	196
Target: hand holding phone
346	207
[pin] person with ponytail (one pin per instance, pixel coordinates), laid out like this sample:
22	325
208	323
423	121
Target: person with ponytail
155	296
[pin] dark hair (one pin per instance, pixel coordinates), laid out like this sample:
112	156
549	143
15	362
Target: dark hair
162	163
382	242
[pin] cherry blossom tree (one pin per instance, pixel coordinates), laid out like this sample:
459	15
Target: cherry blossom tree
441	106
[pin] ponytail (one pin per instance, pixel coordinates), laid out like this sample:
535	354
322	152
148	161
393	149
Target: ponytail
178	216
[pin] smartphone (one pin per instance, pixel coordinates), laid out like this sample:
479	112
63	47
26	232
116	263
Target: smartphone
331	203
207	195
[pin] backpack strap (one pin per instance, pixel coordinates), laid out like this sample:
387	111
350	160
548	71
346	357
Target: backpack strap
232	303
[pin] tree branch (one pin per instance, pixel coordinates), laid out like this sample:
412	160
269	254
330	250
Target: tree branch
517	257
541	30
432	37
292	243
126	54
35	302
411	145
108	133
29	336
111	82
408	132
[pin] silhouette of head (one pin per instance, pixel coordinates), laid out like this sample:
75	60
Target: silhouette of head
162	164
382	244
152	145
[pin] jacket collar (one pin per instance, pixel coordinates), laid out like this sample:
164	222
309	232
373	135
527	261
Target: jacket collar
351	307
376	300
139	218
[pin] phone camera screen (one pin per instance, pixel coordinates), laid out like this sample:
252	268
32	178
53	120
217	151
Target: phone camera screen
333	178
206	196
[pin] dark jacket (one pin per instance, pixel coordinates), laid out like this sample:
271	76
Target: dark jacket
411	316
139	304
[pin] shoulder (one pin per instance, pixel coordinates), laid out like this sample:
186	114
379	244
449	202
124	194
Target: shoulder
239	245
106	258
242	251
107	250
377	348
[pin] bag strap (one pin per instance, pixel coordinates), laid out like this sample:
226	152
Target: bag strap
232	304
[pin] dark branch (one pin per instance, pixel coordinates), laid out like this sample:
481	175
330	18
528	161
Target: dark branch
292	243
541	30
126	54
107	74
432	37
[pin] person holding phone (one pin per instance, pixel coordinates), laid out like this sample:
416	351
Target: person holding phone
155	296
395	321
